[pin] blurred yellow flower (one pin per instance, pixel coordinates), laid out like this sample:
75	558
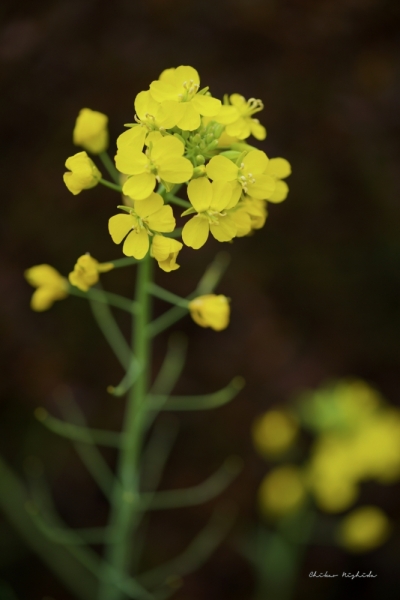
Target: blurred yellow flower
243	125
364	529
91	131
177	91
249	214
274	432
210	310
83	173
51	286
86	272
279	168
165	250
282	491
147	217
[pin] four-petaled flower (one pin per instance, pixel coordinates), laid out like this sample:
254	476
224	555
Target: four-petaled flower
144	219
82	175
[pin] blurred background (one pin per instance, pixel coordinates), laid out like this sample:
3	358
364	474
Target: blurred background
315	294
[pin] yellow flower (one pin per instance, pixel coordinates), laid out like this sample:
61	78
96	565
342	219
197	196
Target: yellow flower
364	529
274	432
279	168
212	202
282	491
249	176
51	286
249	214
165	250
91	131
86	272
152	114
146	217
162	161
177	92
244	125
210	310
83	173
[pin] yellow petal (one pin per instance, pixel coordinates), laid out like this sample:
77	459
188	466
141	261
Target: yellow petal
136	244
239	129
91	131
242	221
221	168
255	162
148	206
195	232
279	167
280	192
190	119
131	161
206	105
226	115
185	74
165	147
221	194
145	105
258	130
44	297
237	100
44	275
224	230
200	193
262	188
169	113
133	138
175	169
210	310
163	220
119	226
162	90
168	75
139	187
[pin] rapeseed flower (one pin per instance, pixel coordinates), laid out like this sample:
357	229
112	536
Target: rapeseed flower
248	177
177	91
282	491
278	168
91	131
239	121
249	214
165	250
86	272
210	310
147	217
274	432
364	529
212	202
162	161
51	286
83	173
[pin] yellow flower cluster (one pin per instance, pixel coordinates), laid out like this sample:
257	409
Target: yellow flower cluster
357	439
182	136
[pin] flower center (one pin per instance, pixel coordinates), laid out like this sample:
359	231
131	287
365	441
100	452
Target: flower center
245	178
253	106
190	89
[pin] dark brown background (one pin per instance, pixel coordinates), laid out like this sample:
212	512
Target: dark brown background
315	294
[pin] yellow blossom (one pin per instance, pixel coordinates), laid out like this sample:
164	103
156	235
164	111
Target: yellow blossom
249	214
91	131
82	175
165	250
152	114
212	202
162	161
210	310
177	91
278	168
144	219
274	432
86	272
364	529
248	177
51	286
243	125
282	491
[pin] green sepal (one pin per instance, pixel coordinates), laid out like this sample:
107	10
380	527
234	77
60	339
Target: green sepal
127	209
189	211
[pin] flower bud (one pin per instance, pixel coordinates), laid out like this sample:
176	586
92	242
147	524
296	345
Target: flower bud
210	310
83	173
86	272
51	286
90	131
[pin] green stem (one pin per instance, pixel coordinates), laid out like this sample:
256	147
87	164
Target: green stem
109	298
159	292
175	200
109	165
123	262
112	186
125	510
